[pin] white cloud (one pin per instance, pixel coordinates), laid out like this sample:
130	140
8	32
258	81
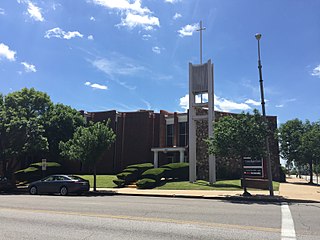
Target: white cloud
145	21
172	1
59	33
220	104
2	11
228	105
148	105
6	52
34	12
29	67
284	102
252	102
92	18
176	16
116	67
156	50
316	71
96	86
146	36
132	13
74	34
90	37
184	102
123	5
188	30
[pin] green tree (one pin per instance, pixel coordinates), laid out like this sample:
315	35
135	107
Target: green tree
2	134
24	111
290	139
310	142
88	144
299	143
239	136
60	124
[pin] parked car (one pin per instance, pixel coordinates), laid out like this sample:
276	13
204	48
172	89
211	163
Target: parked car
63	184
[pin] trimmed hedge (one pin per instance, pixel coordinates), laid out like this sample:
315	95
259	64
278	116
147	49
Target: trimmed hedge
28	174
146	183
119	182
154	173
34	172
131	174
177	171
141	167
128	176
49	164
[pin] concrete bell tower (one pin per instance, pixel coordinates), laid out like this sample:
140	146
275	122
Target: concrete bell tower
200	98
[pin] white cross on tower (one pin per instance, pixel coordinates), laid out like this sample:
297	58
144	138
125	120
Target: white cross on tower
200	30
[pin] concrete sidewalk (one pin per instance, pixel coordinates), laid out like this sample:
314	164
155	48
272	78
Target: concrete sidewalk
294	190
299	189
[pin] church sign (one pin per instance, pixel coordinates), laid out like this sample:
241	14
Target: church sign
252	167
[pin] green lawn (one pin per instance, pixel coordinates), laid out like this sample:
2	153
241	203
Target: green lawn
103	181
106	181
228	185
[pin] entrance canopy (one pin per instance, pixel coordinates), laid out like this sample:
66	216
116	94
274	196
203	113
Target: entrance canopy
165	150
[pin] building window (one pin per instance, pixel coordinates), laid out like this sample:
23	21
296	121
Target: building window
183	138
169	138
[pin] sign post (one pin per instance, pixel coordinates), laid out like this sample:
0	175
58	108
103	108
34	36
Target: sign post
43	166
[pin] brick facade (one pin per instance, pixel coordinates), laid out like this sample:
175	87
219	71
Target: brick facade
138	132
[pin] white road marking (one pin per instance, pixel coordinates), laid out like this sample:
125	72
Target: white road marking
287	227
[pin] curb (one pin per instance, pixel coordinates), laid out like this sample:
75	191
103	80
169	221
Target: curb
257	198
260	198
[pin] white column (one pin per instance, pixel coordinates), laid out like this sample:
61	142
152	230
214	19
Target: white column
212	159
181	156
192	132
155	159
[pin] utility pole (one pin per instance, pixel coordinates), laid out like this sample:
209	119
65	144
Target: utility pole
200	30
258	37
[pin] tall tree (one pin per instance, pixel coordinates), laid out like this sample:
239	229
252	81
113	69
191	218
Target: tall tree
299	143
25	110
310	149
239	136
60	124
2	134
88	144
290	137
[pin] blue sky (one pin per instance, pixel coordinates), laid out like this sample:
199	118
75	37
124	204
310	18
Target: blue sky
127	55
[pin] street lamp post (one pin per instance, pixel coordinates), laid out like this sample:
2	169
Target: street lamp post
258	37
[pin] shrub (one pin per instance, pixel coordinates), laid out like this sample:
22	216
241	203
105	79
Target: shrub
119	182
154	173
49	165
146	183
128	176
132	173
141	167
28	174
177	171
34	171
130	170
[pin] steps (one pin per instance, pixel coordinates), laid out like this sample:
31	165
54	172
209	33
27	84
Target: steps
132	185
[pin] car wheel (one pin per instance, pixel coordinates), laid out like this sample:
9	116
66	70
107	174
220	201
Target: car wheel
63	191
33	190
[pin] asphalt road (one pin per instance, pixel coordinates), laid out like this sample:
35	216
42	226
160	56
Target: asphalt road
128	217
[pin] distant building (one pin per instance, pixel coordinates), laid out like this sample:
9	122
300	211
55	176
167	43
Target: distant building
145	136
